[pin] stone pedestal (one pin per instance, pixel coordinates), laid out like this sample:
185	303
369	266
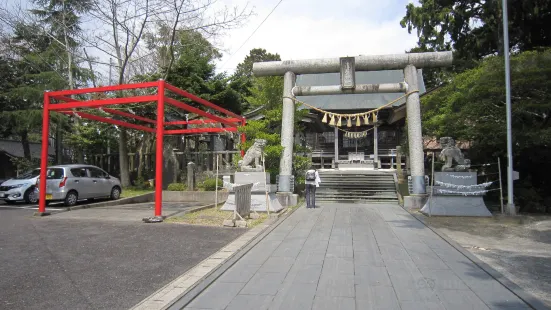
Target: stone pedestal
446	204
258	192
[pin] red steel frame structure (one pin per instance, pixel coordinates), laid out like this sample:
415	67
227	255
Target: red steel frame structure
67	105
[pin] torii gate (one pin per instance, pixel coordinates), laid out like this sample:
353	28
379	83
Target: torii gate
347	66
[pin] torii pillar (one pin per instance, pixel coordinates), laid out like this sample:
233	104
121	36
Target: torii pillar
347	67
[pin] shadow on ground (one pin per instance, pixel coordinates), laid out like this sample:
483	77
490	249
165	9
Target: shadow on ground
518	247
70	263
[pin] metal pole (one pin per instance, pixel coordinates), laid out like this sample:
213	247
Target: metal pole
265	185
431	185
216	182
510	203
376	145
336	142
44	155
159	150
500	185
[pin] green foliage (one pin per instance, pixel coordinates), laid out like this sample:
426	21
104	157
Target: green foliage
209	184
24	164
472	108
473	28
245	68
266	92
178	187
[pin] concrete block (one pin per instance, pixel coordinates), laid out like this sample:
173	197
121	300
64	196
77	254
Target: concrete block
229	223
241	223
415	202
258	203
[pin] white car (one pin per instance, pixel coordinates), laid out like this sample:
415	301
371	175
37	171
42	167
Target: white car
21	188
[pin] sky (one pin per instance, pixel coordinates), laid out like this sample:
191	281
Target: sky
307	29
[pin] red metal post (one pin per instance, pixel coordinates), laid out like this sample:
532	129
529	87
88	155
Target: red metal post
44	154
195	110
109	121
159	149
243	139
102	102
200	121
103	89
199	130
201	101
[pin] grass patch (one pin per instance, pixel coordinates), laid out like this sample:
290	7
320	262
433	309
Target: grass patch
212	217
132	192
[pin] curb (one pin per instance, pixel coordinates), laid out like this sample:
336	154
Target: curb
190	210
528	298
214	274
108	203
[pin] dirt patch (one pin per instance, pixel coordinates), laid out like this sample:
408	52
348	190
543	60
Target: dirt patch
518	247
212	217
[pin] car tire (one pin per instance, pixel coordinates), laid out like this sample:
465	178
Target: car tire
71	199
115	193
31	196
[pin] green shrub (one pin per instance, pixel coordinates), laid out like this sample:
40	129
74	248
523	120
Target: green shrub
210	184
177	187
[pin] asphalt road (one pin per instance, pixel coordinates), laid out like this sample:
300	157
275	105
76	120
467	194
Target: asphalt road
55	263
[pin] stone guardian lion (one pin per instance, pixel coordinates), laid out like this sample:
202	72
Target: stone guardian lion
254	153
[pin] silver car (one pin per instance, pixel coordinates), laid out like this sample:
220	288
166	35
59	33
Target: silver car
71	183
21	188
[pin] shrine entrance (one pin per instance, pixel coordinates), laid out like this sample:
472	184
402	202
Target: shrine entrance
358	112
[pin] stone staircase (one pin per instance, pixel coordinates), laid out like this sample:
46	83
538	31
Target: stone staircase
356	186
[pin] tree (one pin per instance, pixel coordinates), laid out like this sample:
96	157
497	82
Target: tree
266	93
245	68
126	25
29	59
473	28
472	108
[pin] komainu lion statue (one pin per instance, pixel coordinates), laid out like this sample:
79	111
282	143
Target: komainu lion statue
254	153
450	153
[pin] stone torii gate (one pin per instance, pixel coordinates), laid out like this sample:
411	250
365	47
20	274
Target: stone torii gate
347	66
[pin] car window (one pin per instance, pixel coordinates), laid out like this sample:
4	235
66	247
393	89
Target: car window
97	173
28	175
55	174
79	172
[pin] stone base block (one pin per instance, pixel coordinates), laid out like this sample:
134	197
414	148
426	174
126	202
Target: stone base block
241	224
258	203
285	199
456	206
229	223
415	202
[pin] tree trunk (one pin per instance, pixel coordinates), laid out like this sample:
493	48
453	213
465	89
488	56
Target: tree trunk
26	146
123	159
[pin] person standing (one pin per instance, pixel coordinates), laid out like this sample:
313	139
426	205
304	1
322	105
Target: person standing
312	182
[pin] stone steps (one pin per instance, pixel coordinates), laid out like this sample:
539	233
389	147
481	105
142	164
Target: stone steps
367	186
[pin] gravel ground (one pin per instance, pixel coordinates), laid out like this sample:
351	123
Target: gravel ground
51	263
518	247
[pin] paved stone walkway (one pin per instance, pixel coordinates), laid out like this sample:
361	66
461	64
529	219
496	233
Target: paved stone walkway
343	256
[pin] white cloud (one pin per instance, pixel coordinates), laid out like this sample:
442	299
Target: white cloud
326	30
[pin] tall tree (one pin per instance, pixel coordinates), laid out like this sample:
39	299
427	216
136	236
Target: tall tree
472	108
245	68
126	24
473	28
